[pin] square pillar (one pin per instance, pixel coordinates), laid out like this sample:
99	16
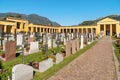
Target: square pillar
5	28
31	29
13	30
104	30
81	30
40	29
21	26
86	30
110	29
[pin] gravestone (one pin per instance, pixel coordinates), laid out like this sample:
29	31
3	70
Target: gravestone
86	39
68	48
19	39
54	43
30	39
59	58
82	42
10	50
45	65
118	35
49	41
62	36
89	37
92	36
4	41
73	46
0	42
77	44
64	41
72	35
32	35
34	47
44	39
22	72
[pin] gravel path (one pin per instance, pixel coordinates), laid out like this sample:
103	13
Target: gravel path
95	64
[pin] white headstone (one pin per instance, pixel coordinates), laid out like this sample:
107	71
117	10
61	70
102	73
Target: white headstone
32	35
59	58
82	42
22	72
64	41
34	47
4	41
62	37
45	65
118	35
54	43
19	39
92	36
72	35
49	43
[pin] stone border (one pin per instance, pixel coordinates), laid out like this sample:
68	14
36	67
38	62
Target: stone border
116	65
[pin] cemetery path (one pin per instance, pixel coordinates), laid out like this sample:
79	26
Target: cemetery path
95	64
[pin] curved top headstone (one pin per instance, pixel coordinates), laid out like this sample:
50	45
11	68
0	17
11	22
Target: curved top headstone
22	72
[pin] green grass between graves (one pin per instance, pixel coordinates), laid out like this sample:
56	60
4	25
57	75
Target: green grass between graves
117	50
7	65
45	75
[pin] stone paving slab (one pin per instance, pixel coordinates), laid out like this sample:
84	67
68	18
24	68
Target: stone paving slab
95	64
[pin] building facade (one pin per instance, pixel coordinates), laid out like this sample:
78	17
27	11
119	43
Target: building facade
106	26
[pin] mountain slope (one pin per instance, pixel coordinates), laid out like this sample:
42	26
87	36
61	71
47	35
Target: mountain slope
32	18
93	22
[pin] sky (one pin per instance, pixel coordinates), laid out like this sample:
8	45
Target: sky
64	12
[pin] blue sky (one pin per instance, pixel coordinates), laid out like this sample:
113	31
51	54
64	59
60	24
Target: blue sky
65	12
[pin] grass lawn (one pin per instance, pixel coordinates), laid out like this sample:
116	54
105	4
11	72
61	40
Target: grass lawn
8	65
45	75
117	50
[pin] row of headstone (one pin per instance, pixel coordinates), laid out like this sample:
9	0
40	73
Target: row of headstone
25	72
34	46
72	46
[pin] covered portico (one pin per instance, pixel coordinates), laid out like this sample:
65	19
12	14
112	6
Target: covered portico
108	26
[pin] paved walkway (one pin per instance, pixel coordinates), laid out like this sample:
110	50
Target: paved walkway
95	64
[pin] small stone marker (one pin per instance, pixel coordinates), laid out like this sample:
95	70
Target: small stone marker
19	39
49	43
34	47
82	42
45	65
4	41
77	44
73	46
54	43
59	58
30	40
65	41
22	72
68	48
10	49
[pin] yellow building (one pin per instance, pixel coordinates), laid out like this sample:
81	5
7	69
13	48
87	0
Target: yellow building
107	26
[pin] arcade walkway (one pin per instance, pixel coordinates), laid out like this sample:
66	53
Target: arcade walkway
95	64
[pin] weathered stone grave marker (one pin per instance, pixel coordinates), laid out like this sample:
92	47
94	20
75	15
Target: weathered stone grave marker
68	48
22	72
59	58
45	65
